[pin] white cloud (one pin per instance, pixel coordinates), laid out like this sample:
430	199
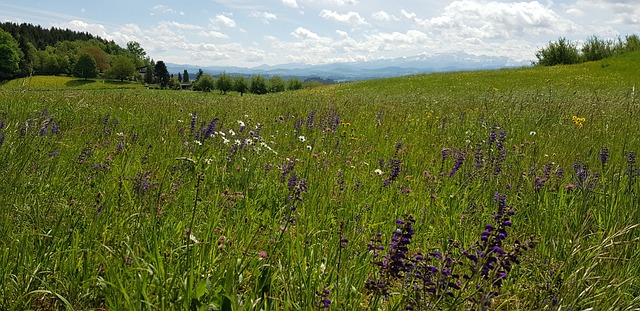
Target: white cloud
496	20
213	34
266	17
408	15
625	11
95	29
181	26
224	20
384	16
398	40
160	8
290	3
304	33
351	18
344	2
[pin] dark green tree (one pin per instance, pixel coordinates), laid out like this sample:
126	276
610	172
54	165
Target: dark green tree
161	74
258	85
121	68
9	56
148	75
179	77
85	67
240	85
185	76
224	83
200	73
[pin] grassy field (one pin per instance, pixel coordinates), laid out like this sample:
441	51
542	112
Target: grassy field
504	190
49	83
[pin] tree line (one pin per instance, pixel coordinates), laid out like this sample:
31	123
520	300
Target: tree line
566	52
26	50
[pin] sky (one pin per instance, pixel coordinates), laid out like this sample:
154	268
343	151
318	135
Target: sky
249	33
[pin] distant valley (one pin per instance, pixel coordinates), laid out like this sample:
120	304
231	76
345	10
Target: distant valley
364	70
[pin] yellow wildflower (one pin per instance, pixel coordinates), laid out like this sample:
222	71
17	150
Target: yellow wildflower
578	121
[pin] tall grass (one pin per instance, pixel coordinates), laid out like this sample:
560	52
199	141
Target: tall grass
179	200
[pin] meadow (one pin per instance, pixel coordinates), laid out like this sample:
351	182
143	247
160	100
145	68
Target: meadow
512	189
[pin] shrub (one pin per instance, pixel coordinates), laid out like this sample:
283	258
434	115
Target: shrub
561	52
597	49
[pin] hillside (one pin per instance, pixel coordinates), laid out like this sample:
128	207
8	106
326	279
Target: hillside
617	72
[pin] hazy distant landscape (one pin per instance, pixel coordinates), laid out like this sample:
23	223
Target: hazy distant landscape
340	72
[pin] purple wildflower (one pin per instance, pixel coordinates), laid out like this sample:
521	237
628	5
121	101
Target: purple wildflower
604	155
458	162
311	119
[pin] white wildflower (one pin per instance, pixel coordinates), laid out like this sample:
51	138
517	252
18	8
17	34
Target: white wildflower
241	123
533	133
309	147
208	161
232	133
238	142
225	141
302	138
193	238
197	142
378	171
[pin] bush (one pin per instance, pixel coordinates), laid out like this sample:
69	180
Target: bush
294	84
562	52
596	49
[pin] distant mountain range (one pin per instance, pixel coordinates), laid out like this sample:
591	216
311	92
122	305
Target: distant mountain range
364	70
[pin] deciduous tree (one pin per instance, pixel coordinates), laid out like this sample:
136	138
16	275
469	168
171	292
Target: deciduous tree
276	84
206	83
121	68
9	55
258	85
240	85
224	83
85	67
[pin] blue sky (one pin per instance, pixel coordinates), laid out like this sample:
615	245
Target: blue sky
249	33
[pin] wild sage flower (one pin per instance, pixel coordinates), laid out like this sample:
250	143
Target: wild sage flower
394	171
193	123
604	156
311	119
631	164
323	301
458	162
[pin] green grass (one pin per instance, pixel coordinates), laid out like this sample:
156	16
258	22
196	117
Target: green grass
42	83
129	207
